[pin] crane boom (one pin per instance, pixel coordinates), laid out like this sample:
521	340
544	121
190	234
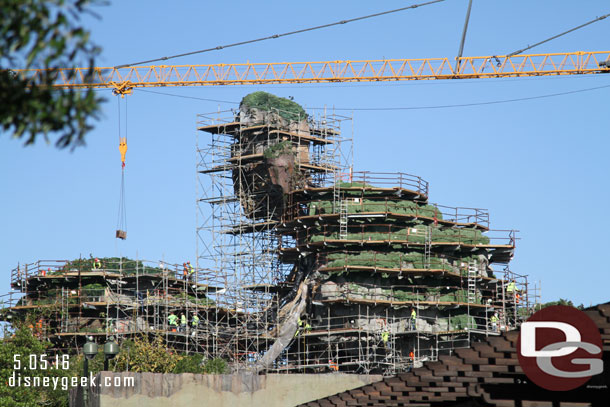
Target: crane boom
124	79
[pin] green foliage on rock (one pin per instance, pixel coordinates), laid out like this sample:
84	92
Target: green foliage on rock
47	35
402	207
278	149
286	108
396	260
112	264
424	291
346	184
409	234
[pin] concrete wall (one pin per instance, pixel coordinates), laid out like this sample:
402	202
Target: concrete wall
273	390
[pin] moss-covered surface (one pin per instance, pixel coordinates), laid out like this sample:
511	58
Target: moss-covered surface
396	260
283	147
402	207
355	283
286	108
116	264
427	291
408	234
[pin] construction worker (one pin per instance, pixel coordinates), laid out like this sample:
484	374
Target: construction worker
302	326
511	287
191	271
182	322
172	320
332	365
187	271
96	264
413	318
385	337
299	327
512	292
494	322
307	326
412	357
195	321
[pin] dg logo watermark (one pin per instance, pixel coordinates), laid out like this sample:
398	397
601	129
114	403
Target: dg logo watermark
560	348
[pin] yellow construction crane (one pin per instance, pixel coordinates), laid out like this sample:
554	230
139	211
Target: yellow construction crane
122	80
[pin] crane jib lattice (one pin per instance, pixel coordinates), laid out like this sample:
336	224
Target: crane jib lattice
123	80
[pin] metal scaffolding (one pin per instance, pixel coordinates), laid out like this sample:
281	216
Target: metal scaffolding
303	264
368	247
66	301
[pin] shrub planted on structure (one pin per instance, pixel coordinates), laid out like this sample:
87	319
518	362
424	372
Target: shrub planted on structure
278	149
286	108
425	290
402	207
397	260
112	264
410	234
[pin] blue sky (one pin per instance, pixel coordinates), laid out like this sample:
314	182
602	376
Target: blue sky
539	166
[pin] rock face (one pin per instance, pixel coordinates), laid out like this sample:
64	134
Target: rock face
268	155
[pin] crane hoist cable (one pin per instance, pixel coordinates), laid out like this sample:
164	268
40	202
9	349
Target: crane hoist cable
121	229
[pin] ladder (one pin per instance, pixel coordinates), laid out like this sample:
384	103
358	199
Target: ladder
343	220
473	271
336	192
64	310
499	298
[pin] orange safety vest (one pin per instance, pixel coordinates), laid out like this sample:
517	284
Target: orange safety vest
333	365
412	355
